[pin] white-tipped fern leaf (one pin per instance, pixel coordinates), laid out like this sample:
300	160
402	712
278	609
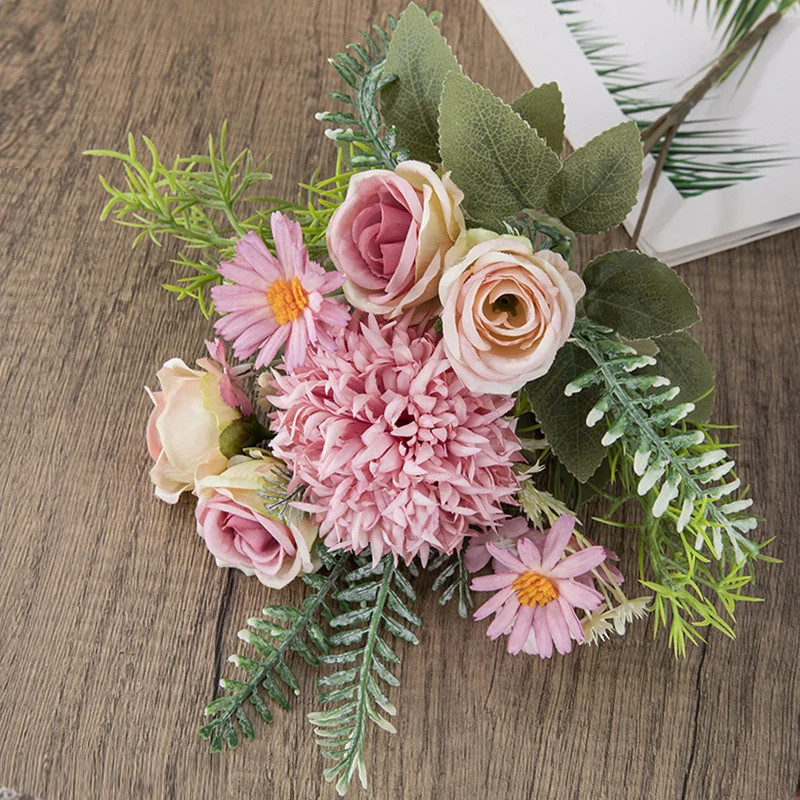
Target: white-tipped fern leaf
693	483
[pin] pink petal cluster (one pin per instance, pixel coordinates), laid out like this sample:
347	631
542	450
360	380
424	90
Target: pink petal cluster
478	555
396	453
230	390
538	590
271	302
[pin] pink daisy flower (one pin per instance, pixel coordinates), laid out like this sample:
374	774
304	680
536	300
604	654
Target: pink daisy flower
538	592
397	454
271	302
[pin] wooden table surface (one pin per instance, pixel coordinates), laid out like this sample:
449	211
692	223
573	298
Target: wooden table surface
114	621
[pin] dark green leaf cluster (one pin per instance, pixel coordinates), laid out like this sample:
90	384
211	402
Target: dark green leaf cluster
280	631
379	594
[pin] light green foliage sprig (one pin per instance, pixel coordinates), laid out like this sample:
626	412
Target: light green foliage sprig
453	581
207	202
382	593
695	517
280	631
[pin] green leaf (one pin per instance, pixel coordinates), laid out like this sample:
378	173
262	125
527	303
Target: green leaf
421	59
543	109
563	419
682	360
598	186
637	295
240	434
498	161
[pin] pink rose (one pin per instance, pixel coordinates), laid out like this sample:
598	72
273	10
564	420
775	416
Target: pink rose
189	415
237	529
391	235
507	310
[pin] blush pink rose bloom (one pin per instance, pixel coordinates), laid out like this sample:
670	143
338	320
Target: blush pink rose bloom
391	235
507	310
184	427
239	533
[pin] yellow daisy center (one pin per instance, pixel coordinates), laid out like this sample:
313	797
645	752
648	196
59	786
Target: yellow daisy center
287	299
533	589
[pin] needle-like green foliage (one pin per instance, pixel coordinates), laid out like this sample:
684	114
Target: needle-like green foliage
208	202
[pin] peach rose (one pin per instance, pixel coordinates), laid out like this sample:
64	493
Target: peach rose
507	310
239	532
391	234
184	427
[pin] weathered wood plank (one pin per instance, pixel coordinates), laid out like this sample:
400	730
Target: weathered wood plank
113	615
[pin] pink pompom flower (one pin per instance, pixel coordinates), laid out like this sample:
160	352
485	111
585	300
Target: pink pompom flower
271	302
396	453
538	591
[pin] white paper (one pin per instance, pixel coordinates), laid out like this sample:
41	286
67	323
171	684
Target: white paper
670	45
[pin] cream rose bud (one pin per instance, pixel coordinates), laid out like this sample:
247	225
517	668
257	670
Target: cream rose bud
233	521
184	427
391	234
507	310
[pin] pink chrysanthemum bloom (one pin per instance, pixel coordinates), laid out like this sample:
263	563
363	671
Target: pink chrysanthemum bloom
538	592
396	453
271	302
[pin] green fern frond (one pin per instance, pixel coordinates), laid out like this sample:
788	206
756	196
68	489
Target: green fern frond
357	690
674	462
360	66
695	516
452	578
280	631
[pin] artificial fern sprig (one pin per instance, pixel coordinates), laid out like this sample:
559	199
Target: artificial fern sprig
362	70
453	580
693	551
664	457
280	631
357	691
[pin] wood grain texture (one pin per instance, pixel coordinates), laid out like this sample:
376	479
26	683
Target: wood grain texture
114	622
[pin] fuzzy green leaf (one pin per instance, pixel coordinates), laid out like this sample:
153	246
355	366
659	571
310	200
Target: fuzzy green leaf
598	185
543	109
421	59
682	360
563	419
496	158
637	295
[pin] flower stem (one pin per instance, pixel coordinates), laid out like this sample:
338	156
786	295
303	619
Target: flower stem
666	126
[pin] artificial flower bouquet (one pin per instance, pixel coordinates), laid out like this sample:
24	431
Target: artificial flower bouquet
436	385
